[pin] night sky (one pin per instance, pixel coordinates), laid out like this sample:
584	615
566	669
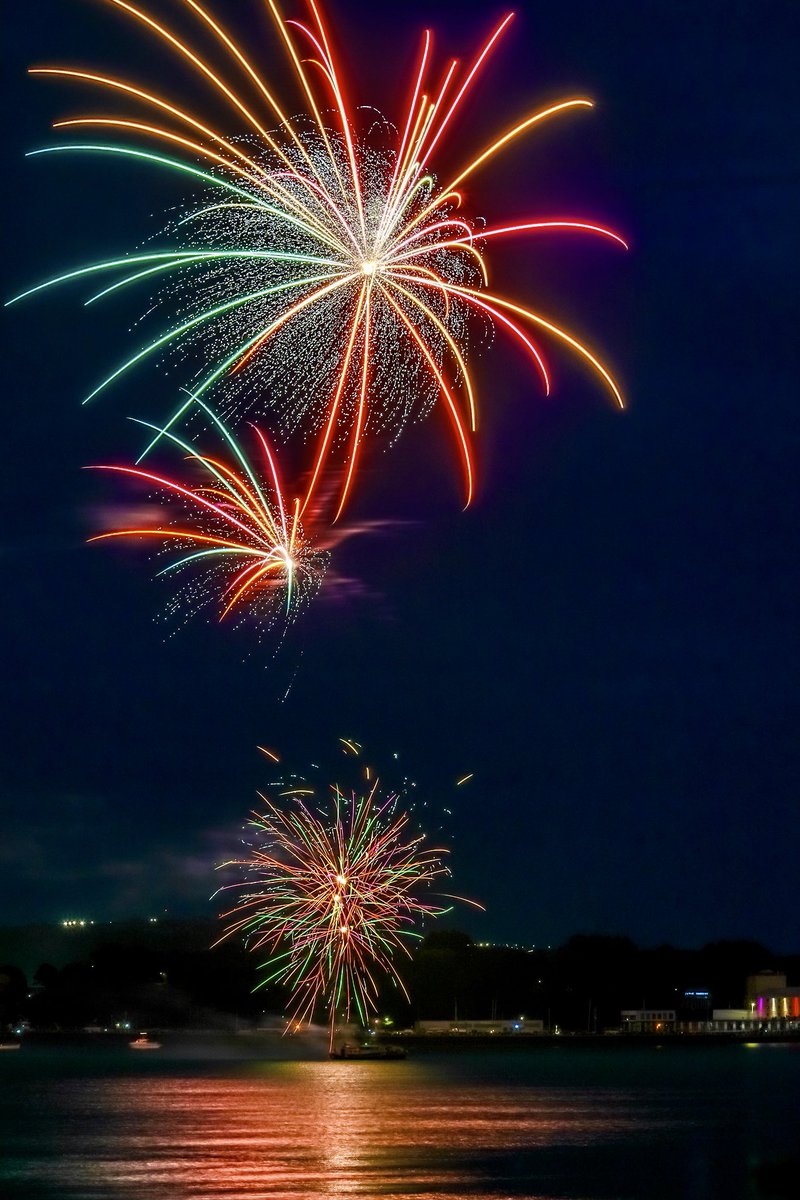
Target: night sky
606	639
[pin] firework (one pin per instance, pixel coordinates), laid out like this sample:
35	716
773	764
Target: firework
335	889
235	534
327	271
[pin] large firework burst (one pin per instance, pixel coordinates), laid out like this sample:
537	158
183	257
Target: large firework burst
235	534
335	887
327	270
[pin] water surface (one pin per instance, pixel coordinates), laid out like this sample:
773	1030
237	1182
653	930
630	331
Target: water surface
677	1123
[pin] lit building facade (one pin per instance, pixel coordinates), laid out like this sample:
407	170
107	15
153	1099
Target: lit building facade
768	999
770	1007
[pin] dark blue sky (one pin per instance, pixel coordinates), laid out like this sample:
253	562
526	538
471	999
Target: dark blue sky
607	638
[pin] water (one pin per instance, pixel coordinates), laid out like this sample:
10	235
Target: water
544	1123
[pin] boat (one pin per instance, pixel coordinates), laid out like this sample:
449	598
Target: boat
10	1045
144	1042
352	1051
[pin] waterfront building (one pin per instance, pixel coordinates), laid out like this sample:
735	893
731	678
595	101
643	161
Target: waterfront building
768	998
648	1020
456	1028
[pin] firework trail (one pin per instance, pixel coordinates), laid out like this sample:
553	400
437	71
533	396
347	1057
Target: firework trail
240	540
327	271
334	890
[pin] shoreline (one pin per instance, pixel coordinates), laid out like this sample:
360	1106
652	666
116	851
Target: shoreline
248	1042
609	1040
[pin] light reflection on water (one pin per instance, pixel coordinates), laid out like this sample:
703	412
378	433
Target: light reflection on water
538	1124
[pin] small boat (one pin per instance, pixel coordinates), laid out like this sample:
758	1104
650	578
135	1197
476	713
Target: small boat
352	1051
143	1042
10	1045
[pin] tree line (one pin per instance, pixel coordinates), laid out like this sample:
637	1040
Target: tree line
167	975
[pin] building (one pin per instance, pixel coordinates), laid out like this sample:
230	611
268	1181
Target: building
455	1028
757	985
729	1020
768	999
648	1020
697	1000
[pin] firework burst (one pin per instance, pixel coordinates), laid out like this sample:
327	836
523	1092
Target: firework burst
240	540
327	271
335	889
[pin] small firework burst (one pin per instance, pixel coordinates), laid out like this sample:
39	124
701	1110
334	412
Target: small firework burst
234	534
